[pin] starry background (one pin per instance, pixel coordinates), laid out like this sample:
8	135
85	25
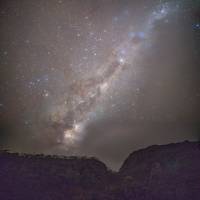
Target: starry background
98	77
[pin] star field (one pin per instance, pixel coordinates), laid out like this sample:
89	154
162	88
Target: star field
98	78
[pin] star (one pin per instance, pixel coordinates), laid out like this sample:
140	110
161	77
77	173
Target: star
82	75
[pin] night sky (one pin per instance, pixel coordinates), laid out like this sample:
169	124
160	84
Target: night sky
98	77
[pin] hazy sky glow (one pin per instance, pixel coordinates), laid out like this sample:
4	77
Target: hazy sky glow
98	77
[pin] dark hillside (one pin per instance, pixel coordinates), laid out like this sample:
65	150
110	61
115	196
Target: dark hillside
163	172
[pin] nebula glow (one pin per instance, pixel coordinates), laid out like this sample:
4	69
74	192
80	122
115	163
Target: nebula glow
99	78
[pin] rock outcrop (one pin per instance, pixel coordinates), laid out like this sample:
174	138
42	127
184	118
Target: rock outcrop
163	172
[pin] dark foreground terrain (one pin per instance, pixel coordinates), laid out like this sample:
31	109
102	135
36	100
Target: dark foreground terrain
167	172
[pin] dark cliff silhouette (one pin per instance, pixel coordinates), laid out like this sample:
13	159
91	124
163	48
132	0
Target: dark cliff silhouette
166	172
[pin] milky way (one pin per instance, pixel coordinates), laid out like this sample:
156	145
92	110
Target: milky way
98	78
87	91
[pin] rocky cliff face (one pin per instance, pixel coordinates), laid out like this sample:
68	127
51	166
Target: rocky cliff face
158	172
163	172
